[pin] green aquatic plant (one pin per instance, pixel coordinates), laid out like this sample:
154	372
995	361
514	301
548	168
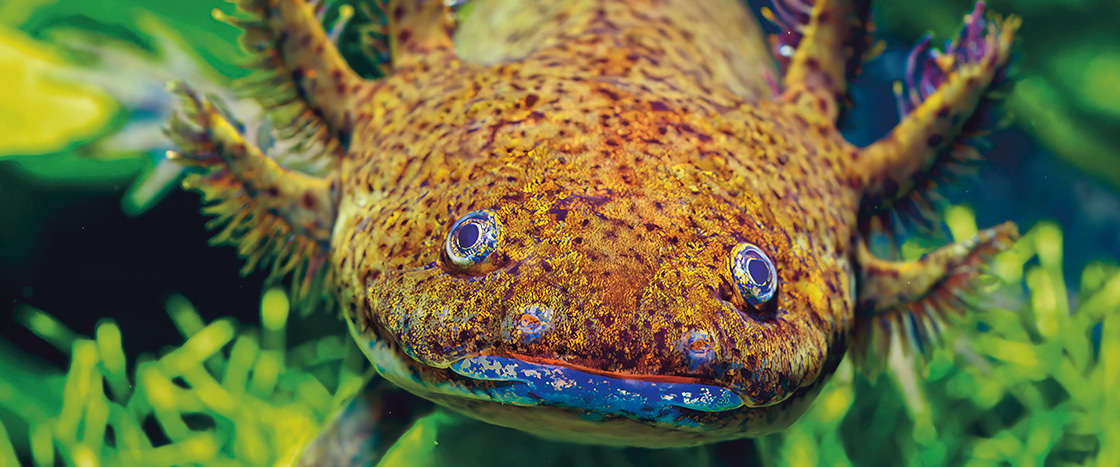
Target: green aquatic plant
227	396
1030	379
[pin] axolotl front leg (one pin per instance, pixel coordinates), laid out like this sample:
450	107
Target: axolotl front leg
276	217
938	106
280	217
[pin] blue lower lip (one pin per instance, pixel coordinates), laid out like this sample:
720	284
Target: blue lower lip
564	387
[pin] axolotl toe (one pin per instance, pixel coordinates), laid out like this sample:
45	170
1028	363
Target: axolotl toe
621	222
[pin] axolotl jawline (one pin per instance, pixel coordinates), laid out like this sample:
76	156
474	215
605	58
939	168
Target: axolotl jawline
613	222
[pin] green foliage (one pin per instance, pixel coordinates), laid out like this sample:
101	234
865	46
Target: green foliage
226	396
1023	382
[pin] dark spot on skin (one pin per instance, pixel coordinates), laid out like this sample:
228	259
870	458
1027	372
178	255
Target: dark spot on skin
890	188
309	200
560	214
943	112
531	100
934	141
658	106
610	94
404	36
650	227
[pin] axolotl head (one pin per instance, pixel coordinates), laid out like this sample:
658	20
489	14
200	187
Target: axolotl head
565	292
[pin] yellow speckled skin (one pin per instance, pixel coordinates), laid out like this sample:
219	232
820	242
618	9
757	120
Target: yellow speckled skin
626	147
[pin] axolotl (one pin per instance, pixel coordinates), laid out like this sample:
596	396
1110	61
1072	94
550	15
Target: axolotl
625	222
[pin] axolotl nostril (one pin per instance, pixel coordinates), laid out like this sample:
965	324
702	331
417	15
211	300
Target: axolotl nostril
622	222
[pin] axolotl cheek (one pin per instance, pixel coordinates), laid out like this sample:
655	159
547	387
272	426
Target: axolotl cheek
531	323
696	347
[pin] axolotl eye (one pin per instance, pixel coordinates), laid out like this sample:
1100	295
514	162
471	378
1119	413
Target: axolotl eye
472	238
754	274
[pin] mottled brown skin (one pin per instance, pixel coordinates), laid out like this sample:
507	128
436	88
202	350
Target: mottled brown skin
626	147
620	208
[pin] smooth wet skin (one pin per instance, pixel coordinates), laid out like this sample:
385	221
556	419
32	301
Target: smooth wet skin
609	222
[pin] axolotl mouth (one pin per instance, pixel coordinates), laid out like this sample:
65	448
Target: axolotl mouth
565	402
519	382
561	386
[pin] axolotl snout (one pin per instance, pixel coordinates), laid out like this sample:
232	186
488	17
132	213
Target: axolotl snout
613	222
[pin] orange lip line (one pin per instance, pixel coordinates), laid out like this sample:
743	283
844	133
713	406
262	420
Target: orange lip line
611	374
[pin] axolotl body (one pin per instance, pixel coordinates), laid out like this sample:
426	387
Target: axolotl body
622	222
